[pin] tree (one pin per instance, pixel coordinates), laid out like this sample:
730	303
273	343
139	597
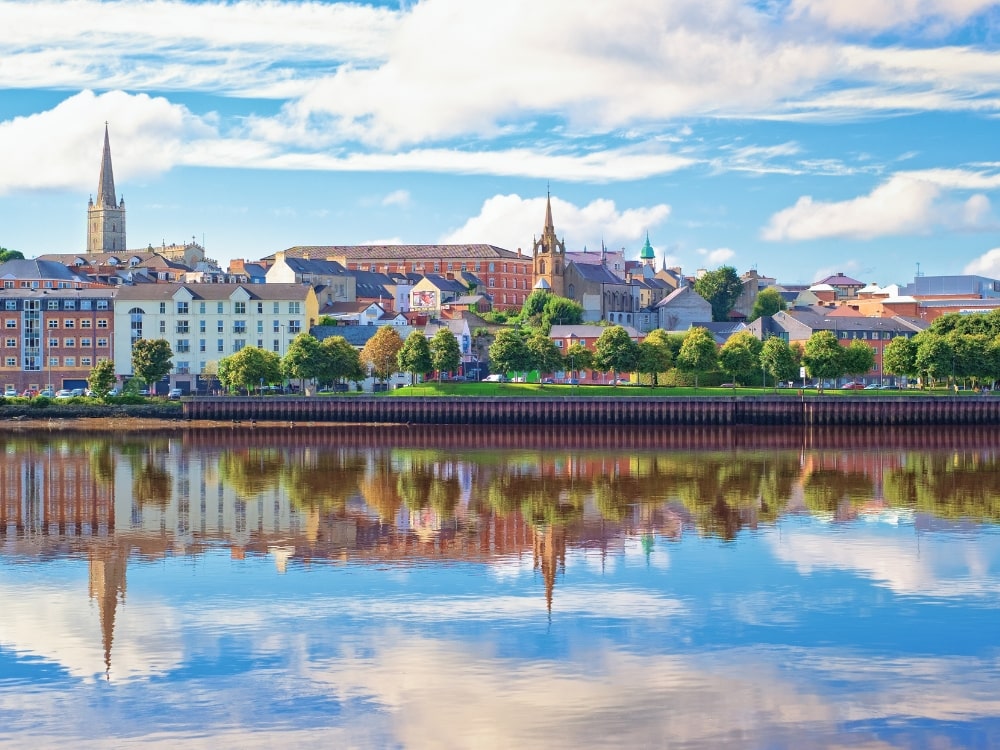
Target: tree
534	303
778	360
654	357
343	361
823	357
900	357
545	356
151	360
935	358
561	311
249	367
509	353
578	357
102	378
859	358
739	357
768	302
616	351
6	255
305	358
379	354
721	288
415	356
445	353
698	353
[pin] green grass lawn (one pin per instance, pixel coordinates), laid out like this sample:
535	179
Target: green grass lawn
534	389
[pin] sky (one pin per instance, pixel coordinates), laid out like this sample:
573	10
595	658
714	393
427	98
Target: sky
796	137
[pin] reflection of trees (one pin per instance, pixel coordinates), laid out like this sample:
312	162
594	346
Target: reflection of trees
322	479
151	481
825	489
427	479
251	471
948	486
380	489
541	499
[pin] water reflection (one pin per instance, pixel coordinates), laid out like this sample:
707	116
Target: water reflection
252	587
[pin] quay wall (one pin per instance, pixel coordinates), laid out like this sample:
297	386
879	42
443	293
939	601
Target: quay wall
627	410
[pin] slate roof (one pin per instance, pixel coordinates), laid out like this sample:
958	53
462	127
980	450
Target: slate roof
317	267
402	252
156	292
356	336
38	269
597	274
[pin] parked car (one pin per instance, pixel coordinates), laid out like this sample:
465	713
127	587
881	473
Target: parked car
572	381
873	387
10	392
175	394
115	392
853	387
548	381
29	393
47	392
144	392
495	378
621	381
64	393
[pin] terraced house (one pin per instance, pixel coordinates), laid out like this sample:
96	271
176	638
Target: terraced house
206	322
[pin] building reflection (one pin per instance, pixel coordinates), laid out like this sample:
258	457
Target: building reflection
321	495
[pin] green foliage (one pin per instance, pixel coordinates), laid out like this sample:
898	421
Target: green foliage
900	356
654	357
151	360
561	311
721	288
380	352
445	353
343	361
578	357
534	303
102	379
935	357
306	359
823	356
40	402
248	368
616	351
545	356
698	353
768	302
859	358
509	352
739	357
415	355
6	255
777	358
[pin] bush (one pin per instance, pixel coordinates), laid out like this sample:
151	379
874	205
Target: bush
40	402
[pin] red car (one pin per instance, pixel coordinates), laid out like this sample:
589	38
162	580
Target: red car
853	386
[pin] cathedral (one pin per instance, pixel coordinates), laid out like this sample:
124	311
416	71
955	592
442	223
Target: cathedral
106	216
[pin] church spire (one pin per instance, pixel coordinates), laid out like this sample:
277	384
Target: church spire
549	226
106	182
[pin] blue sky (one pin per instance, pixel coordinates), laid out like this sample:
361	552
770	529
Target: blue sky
800	137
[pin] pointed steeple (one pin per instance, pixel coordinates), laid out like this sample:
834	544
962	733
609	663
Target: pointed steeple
646	255
106	183
549	226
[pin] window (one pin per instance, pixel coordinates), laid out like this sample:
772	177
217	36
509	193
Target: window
239	345
239	308
163	326
493	283
85	322
12	343
86	304
11	361
102	322
220	308
69	304
276	346
260	343
69	323
182	308
135	322
182	326
201	308
294	308
260	326
183	346
102	304
221	345
53	304
69	343
201	345
85	343
53	323
102	343
69	362
276	327
163	308
493	267
53	361
53	343
220	327
260	308
202	326
11	323
275	308
239	326
10	305
86	361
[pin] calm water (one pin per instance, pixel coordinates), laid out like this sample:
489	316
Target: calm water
447	588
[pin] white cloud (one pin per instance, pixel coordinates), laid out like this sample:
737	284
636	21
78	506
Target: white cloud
511	221
987	264
147	137
399	198
906	204
716	257
887	14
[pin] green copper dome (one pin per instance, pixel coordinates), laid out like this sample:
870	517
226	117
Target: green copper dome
647	250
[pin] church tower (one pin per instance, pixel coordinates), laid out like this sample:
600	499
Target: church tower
550	256
105	217
646	255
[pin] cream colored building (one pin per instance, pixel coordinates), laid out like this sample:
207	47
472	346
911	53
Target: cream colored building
206	322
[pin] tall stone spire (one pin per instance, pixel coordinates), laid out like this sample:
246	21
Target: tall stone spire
106	216
549	255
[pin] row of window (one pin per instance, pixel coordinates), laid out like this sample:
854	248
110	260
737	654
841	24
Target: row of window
12	323
873	335
57	361
239	308
67	343
293	327
8	284
65	304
